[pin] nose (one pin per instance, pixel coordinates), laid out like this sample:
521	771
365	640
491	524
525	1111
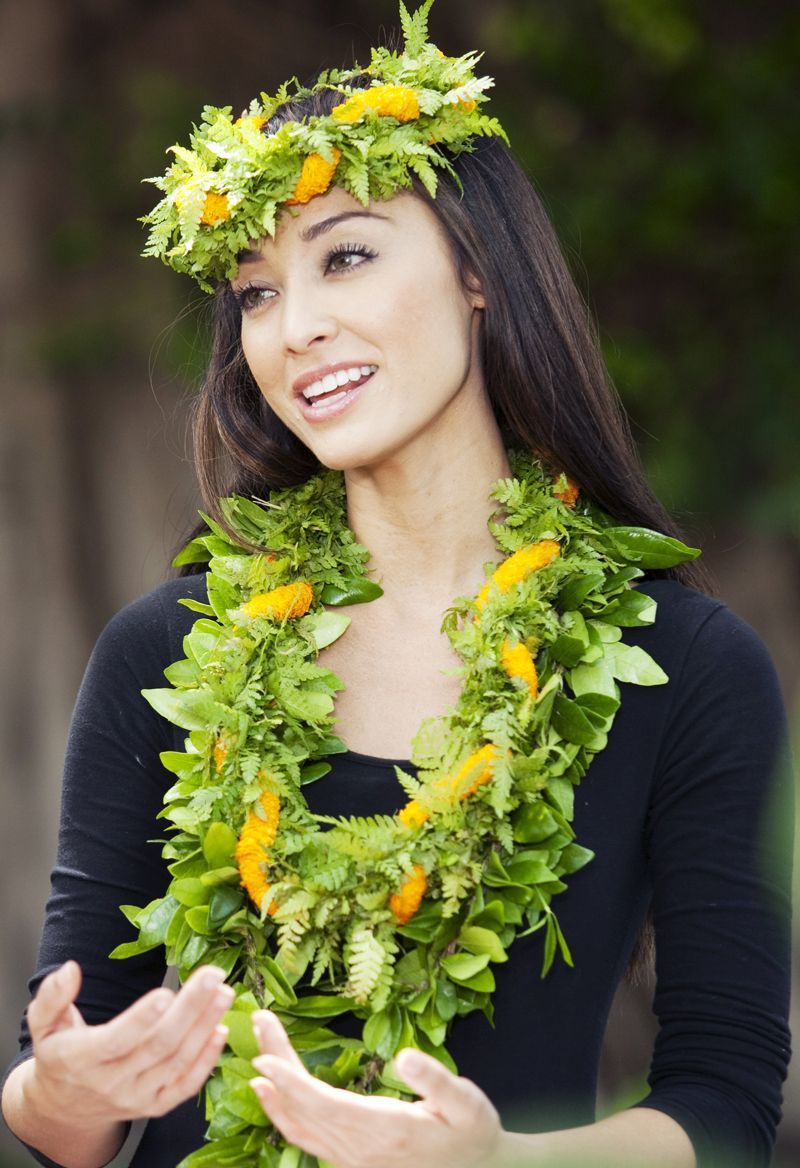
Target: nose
305	316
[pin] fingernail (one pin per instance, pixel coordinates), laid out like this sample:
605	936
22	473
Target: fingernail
268	1066
224	997
213	975
407	1062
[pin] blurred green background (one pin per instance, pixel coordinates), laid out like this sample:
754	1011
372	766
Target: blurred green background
662	135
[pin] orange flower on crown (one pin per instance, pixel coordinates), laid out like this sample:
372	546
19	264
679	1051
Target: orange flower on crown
315	177
518	567
569	493
405	902
215	209
256	836
388	101
286	601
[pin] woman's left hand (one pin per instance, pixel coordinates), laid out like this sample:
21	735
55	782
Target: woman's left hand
452	1125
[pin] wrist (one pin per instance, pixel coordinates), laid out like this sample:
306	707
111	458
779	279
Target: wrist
515	1150
44	1117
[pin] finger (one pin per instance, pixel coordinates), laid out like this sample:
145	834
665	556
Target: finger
146	1018
182	1032
51	1005
288	1120
273	1039
115	1040
186	1086
452	1097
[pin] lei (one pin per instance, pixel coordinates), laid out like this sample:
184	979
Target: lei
394	920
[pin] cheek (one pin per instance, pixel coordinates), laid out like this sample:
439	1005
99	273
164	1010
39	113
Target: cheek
262	360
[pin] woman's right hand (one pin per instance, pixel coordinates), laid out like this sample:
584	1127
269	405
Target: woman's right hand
156	1054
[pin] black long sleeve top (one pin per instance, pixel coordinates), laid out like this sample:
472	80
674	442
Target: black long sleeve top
688	811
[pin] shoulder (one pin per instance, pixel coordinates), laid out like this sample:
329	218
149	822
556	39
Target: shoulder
147	632
700	632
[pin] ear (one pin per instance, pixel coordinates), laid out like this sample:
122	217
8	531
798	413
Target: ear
474	290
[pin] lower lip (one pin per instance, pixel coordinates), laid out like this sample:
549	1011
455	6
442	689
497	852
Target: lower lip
323	411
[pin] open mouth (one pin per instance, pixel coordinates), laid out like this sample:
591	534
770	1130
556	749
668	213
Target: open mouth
334	387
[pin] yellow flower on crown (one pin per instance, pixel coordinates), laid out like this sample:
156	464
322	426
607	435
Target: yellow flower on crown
388	101
215	209
315	177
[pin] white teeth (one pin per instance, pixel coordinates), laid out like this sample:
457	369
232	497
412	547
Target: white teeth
330	400
333	380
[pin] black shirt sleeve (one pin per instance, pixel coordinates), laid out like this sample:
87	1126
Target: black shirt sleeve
719	842
112	792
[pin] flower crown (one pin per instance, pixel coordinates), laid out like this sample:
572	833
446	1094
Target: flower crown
420	109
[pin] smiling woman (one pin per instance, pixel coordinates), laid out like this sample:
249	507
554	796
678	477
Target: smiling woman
321	300
450	707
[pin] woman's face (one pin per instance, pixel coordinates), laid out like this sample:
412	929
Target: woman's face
357	330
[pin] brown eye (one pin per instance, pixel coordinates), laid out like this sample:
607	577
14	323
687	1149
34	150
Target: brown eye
252	297
347	250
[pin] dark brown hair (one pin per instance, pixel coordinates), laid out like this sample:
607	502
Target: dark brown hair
540	354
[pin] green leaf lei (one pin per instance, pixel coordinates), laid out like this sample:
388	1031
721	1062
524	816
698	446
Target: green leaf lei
491	847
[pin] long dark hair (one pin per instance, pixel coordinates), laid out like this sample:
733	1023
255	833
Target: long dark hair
540	354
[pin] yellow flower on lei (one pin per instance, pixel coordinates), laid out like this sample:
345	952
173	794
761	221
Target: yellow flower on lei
414	814
518	567
518	662
256	836
405	902
286	601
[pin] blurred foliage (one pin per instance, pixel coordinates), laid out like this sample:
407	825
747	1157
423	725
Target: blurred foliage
662	135
663	138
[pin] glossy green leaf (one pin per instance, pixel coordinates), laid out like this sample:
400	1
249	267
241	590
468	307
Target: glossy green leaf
478	940
353	590
648	549
219	845
461	966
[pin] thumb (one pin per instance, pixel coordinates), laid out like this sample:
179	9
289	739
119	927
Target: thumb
53	1007
452	1098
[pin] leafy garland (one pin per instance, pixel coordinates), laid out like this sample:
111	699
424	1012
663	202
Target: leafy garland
225	189
395	920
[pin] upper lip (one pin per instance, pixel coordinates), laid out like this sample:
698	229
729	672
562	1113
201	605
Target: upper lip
305	379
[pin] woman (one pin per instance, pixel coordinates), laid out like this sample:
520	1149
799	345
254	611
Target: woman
414	342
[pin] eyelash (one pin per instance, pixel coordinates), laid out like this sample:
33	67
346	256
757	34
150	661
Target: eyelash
361	249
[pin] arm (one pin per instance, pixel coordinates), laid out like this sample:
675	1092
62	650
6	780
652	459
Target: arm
453	1125
56	1099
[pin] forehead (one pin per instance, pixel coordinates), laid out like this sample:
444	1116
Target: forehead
299	226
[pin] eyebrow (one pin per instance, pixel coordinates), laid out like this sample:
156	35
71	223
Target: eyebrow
248	256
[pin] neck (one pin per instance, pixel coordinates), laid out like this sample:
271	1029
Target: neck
423	519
